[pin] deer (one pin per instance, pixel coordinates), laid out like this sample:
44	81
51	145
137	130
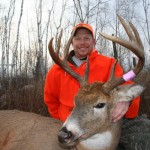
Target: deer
89	126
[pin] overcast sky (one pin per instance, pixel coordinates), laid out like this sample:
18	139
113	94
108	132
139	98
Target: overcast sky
29	12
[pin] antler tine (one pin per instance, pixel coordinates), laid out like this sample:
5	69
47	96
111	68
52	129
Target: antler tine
136	46
63	62
113	70
68	45
86	74
139	42
112	82
127	28
59	41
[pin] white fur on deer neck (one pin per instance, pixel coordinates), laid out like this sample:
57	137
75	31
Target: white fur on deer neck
94	142
102	140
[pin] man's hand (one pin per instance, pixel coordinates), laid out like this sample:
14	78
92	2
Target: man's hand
120	110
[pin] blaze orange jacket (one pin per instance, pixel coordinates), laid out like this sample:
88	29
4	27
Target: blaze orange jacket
60	88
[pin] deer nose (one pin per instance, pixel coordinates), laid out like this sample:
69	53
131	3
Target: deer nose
64	135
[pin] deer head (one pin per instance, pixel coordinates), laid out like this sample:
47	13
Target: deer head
91	116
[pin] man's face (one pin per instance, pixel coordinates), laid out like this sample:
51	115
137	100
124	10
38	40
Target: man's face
83	43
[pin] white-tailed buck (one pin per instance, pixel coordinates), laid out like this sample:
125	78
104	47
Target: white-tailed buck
90	126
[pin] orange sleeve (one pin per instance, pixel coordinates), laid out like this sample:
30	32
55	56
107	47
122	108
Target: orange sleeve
135	104
51	93
133	109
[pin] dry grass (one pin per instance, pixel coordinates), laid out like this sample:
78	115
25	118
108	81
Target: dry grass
27	98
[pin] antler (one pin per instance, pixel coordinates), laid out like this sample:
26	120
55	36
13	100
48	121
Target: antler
135	45
63	62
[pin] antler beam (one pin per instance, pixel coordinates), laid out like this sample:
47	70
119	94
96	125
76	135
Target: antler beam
63	62
135	45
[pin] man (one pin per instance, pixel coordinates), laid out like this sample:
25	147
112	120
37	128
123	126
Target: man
60	88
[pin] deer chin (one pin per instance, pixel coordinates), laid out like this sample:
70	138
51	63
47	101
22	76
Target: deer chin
72	142
68	145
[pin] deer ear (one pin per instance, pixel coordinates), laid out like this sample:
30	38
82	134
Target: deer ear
127	92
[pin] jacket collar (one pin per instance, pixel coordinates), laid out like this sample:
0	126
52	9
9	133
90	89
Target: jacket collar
93	54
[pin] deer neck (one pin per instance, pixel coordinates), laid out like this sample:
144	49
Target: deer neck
96	141
106	140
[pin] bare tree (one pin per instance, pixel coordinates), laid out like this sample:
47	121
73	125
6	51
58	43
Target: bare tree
39	53
146	7
86	10
58	23
47	33
6	39
96	13
15	53
127	9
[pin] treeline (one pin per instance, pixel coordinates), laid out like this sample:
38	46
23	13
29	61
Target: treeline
24	36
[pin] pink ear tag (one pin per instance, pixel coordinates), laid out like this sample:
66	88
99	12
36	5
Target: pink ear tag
129	75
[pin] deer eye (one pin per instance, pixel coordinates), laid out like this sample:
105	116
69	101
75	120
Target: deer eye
99	105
